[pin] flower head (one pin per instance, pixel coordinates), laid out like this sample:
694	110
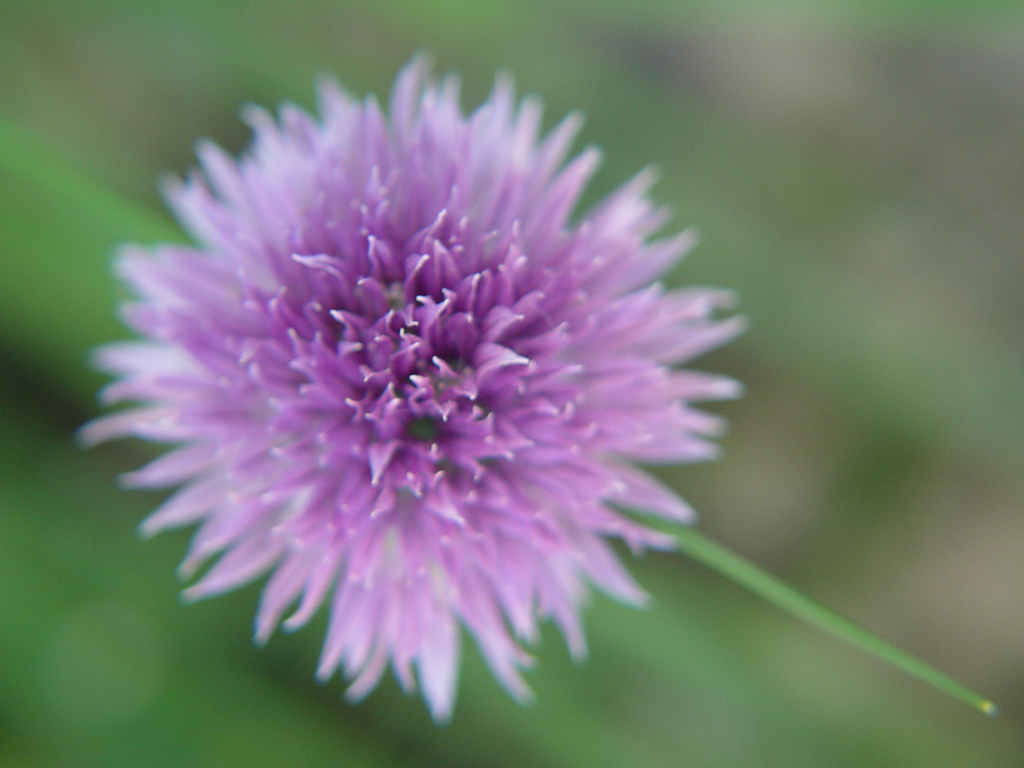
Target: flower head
402	381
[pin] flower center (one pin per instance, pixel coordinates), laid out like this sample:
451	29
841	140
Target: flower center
395	295
423	429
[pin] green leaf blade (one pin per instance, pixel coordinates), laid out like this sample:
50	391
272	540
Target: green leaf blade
60	227
32	161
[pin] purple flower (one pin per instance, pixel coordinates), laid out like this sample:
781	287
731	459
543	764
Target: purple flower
403	382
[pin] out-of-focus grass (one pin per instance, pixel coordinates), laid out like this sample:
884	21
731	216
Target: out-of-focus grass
854	169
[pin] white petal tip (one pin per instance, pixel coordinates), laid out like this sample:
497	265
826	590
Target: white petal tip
192	595
262	635
441	717
726	389
91	434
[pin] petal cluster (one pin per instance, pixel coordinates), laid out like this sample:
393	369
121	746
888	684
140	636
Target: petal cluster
405	383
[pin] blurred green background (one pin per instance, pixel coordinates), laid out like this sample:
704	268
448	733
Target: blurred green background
857	172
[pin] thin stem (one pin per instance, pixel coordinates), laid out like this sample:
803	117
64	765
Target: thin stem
762	583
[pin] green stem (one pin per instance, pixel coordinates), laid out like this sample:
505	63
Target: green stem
762	583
